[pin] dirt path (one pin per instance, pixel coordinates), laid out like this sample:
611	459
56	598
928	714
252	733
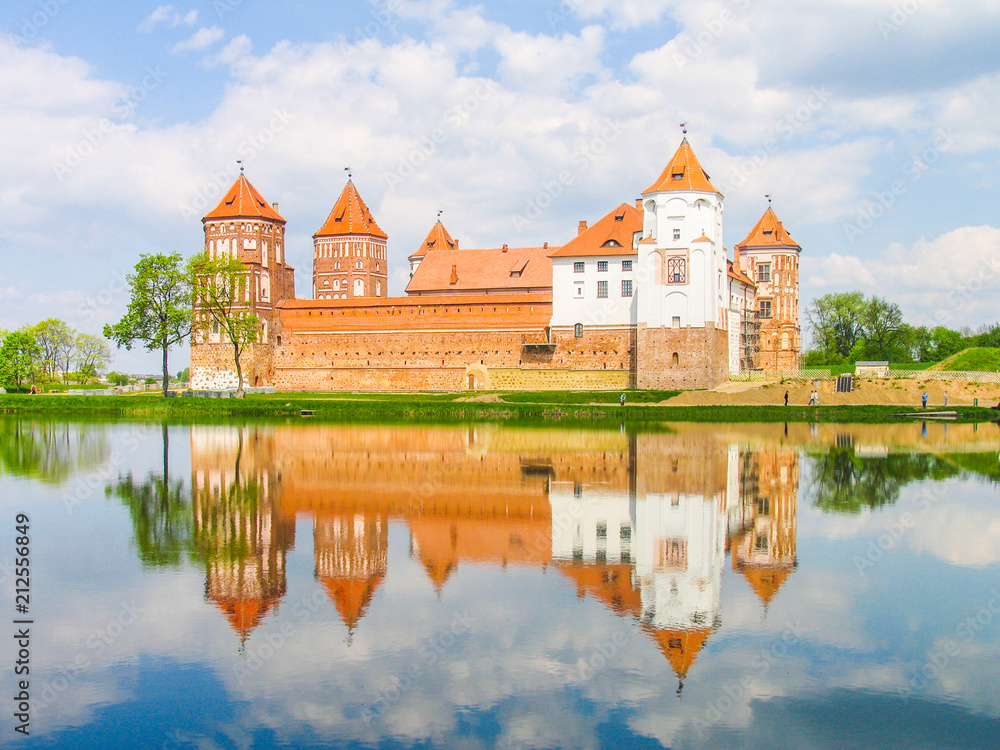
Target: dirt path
903	392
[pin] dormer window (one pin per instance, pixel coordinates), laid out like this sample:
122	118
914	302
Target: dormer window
612	243
678	175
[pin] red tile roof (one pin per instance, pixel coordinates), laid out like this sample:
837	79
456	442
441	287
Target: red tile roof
769	231
478	271
438	238
350	216
740	275
611	235
684	172
244	202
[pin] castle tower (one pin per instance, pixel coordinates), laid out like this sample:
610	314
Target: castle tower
247	227
437	238
349	252
682	310
351	559
771	258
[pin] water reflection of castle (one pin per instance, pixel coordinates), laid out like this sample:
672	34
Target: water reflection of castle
641	523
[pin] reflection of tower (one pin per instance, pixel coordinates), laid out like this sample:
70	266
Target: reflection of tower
766	552
237	528
351	553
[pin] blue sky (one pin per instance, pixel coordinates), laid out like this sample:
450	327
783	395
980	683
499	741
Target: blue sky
873	125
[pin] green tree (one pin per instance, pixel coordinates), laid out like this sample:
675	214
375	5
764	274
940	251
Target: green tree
159	313
118	378
19	358
219	290
881	327
836	322
56	340
93	355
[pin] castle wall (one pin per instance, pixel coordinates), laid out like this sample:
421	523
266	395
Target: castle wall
450	343
702	359
213	366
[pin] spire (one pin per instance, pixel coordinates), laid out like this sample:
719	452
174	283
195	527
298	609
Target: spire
350	216
243	201
681	647
769	231
351	596
437	239
684	172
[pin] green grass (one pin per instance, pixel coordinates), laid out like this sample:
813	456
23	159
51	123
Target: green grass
975	359
437	408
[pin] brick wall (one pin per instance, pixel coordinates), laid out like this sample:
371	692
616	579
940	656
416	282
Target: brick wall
702	357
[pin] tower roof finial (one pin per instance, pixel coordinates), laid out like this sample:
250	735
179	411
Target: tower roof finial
439	214
350	173
768	196
684	128
240	162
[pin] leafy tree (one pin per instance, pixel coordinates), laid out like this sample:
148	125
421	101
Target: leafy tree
219	290
184	375
159	313
56	340
881	325
118	378
836	321
93	355
19	358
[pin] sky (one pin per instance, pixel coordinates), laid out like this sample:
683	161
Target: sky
873	125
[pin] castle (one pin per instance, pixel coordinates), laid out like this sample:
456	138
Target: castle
646	297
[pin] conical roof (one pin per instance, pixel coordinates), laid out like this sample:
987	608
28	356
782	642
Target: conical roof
244	614
351	596
243	201
766	580
437	239
684	172
769	231
350	216
681	647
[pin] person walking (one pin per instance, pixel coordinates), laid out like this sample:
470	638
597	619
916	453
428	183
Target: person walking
623	399
786	398
924	399
813	397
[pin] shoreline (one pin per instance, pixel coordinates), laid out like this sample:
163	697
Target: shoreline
455	407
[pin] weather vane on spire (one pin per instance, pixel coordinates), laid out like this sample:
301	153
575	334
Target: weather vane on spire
350	174
768	196
684	128
240	162
439	214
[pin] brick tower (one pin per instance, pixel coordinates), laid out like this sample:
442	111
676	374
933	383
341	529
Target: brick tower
349	252
771	258
247	227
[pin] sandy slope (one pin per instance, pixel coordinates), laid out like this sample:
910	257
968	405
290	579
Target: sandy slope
904	392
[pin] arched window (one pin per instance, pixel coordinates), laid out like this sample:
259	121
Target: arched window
336	284
359	287
578	330
675	360
359	265
336	265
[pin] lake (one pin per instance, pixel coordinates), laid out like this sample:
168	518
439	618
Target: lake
264	585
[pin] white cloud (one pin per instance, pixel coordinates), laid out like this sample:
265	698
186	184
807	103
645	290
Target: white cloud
202	39
952	280
620	14
165	14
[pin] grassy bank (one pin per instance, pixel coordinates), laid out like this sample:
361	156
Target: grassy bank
561	407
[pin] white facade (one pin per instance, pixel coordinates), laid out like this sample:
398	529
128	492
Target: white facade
577	289
682	254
